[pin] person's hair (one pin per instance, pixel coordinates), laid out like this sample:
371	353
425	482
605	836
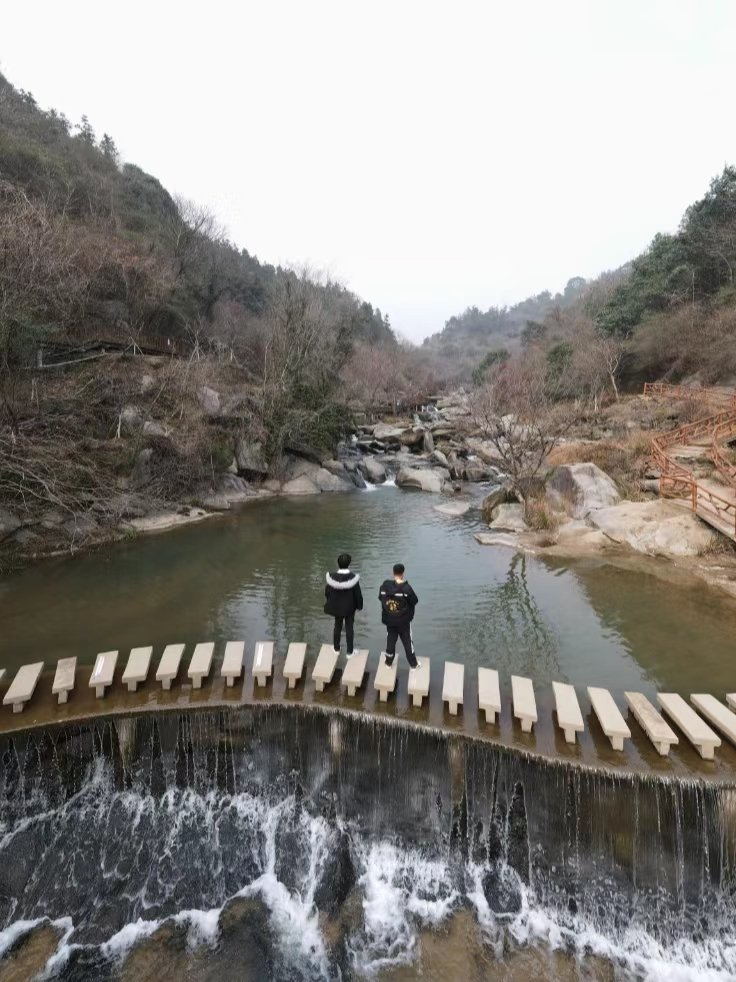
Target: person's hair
399	569
344	560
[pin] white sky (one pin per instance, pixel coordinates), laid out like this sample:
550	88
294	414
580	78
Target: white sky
431	156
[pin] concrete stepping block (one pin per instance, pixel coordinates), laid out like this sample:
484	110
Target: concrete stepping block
354	671
139	661
263	662
324	667
716	713
103	672
609	716
525	705
23	685
2	674
731	699
419	682
64	679
168	667
294	664
232	661
453	685
695	729
489	693
201	663
656	728
385	680
569	717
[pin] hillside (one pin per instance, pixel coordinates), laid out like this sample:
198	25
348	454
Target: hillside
102	266
670	313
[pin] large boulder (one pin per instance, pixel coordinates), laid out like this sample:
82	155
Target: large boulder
421	479
152	428
142	468
413	437
300	486
428	441
326	481
580	489
131	419
509	518
373	470
657	528
387	433
249	457
9	523
501	495
438	457
455	509
209	400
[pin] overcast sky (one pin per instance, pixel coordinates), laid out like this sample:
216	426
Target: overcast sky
431	156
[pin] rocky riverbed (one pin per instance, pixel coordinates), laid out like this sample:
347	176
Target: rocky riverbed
578	508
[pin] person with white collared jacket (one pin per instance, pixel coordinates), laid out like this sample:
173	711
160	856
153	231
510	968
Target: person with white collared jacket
343	597
398	602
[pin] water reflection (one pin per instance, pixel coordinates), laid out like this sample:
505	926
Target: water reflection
260	574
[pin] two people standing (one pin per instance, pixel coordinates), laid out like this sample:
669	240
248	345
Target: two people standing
343	598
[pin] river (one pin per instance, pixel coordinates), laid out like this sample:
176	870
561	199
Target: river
259	574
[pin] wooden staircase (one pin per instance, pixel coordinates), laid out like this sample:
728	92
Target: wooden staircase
712	500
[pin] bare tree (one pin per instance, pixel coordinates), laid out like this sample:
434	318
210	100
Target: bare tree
46	268
523	420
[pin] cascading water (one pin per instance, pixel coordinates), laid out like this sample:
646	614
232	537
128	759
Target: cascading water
291	843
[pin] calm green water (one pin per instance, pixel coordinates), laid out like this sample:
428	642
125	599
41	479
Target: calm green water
260	574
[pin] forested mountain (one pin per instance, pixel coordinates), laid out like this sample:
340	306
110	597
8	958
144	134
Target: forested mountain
125	251
669	313
468	337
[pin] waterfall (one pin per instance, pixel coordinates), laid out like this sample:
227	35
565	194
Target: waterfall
249	829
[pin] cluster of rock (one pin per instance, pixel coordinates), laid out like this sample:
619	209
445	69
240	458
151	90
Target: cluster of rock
591	516
432	452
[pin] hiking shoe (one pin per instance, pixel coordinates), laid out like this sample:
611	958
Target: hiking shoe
350	654
418	665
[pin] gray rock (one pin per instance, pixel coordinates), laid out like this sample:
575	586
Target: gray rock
272	485
475	473
509	518
579	489
501	495
428	441
656	528
387	433
300	486
147	383
249	457
142	469
327	482
413	437
131	419
152	428
438	457
455	509
9	523
373	470
421	479
334	467
209	400
80	527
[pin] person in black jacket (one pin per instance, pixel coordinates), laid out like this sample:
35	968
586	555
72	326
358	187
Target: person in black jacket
343	597
398	601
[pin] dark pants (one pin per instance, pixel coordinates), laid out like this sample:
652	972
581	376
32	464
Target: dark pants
403	632
349	622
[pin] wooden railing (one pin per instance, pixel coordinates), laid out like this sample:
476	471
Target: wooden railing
676	480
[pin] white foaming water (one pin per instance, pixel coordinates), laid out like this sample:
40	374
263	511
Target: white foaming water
404	892
643	957
398	884
390	482
294	916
